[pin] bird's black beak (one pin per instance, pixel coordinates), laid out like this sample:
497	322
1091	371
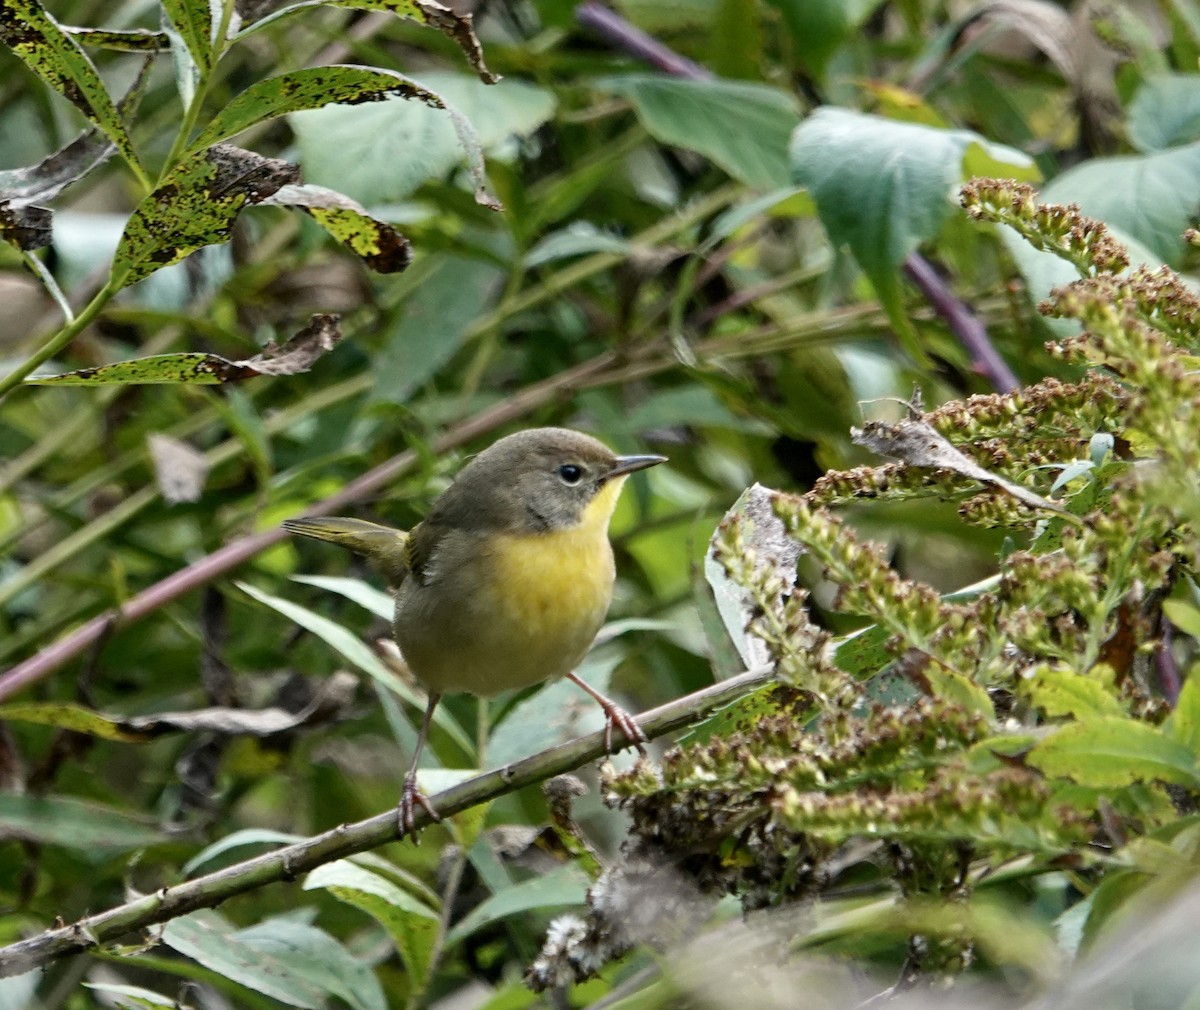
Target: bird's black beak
628	464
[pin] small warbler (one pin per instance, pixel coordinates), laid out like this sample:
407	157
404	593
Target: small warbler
509	577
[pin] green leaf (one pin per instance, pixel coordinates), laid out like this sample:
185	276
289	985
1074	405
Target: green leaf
1113	751
1151	198
247	836
193	21
1184	614
293	962
75	824
355	651
434	324
743	128
411	924
1183	724
376	601
68	715
565	886
383	151
380	246
554	713
1165	112
310	88
819	27
883	187
196	206
132	996
41	44
1061	692
428	12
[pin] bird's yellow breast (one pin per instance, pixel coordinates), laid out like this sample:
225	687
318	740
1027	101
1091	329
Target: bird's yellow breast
530	613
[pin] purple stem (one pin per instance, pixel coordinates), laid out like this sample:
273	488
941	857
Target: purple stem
963	323
615	29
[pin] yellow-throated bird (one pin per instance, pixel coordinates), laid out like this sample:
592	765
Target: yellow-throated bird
508	579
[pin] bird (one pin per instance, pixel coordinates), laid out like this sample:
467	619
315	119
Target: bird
507	580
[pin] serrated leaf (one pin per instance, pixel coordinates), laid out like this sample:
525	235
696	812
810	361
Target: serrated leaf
41	44
742	127
412	925
1061	692
63	820
561	887
293	962
196	206
1113	751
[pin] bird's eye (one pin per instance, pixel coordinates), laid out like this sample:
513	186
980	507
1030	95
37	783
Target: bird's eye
570	473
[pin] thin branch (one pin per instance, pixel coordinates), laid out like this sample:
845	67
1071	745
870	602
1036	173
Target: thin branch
963	323
623	35
347	839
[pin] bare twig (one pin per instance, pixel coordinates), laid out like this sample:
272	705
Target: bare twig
346	839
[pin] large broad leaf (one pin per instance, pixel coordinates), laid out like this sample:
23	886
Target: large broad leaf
437	317
882	187
196	206
61	820
383	151
1151	198
1113	751
1165	112
293	962
743	128
38	40
412	924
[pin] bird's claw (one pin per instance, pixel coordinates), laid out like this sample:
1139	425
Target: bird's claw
614	715
410	795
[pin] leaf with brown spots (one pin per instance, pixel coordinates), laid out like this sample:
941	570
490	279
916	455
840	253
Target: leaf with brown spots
380	246
42	45
196	368
196	206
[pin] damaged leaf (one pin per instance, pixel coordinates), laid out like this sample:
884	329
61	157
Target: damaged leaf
196	206
382	247
330	704
42	45
915	443
297	355
453	25
179	469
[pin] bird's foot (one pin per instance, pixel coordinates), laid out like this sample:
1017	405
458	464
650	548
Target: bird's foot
614	715
410	796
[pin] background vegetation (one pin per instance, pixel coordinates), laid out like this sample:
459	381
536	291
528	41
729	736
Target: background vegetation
720	229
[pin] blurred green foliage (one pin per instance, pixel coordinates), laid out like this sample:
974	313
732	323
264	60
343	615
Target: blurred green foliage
709	265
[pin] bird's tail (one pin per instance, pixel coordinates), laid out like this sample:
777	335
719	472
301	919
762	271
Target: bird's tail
385	548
